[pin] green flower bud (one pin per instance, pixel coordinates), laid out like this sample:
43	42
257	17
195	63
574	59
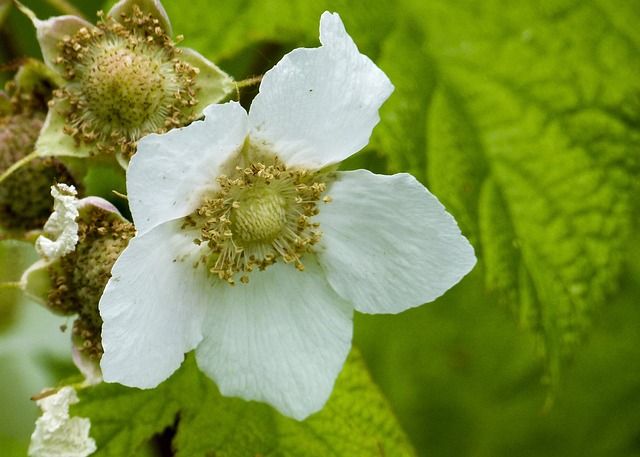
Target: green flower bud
79	277
24	195
122	79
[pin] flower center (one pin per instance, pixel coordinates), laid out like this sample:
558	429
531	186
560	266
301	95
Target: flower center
262	213
260	216
125	89
125	80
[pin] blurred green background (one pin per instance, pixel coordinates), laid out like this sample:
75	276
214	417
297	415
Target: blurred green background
524	119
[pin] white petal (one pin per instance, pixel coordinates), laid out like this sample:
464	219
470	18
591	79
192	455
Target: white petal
152	308
388	244
58	434
318	106
169	173
281	339
61	229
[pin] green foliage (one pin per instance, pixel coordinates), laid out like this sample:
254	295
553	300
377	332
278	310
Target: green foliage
401	132
465	381
519	111
247	38
356	421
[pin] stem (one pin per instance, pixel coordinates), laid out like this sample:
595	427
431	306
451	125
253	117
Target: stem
248	82
10	285
25	160
65	7
120	195
29	237
44	394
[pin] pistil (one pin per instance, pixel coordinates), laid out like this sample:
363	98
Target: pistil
261	214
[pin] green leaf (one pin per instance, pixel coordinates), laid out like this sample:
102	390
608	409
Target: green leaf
401	133
522	118
251	36
463	380
457	177
224	30
356	421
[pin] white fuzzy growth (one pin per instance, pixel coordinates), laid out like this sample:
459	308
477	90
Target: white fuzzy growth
57	434
61	230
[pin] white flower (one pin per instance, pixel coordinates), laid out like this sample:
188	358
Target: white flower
57	434
61	229
252	200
